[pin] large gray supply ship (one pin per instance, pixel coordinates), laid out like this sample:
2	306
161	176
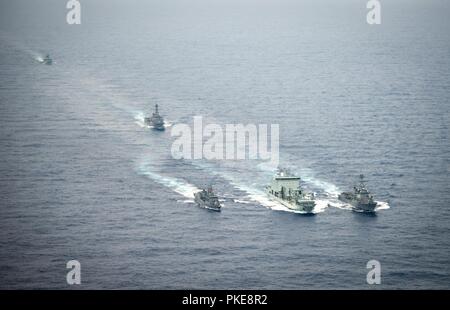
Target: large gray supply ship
285	189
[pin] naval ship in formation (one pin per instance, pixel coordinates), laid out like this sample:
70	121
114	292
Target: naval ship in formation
207	199
285	189
360	199
47	60
155	121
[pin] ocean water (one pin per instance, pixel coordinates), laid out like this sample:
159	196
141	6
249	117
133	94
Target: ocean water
82	178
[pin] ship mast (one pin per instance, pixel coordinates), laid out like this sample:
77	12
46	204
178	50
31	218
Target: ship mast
362	182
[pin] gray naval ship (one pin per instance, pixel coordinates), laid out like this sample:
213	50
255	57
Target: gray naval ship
47	60
155	121
285	188
207	199
360	199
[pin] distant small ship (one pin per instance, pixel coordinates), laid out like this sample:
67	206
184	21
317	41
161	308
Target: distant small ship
207	199
285	188
156	121
360	199
47	60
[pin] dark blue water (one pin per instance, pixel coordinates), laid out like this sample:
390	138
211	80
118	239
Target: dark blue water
82	178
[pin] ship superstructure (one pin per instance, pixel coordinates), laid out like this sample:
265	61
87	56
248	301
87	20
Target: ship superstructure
360	199
155	121
285	188
206	198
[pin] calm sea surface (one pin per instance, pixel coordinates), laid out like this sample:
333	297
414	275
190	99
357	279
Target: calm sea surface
82	178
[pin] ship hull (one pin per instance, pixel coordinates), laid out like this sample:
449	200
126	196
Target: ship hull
307	206
357	206
202	204
159	126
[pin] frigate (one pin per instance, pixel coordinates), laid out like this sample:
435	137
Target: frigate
285	189
360	199
47	60
207	199
155	121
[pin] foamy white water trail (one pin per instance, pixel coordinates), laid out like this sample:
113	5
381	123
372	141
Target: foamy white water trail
329	188
20	46
253	194
139	118
256	195
177	185
242	201
186	201
340	205
108	93
381	205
